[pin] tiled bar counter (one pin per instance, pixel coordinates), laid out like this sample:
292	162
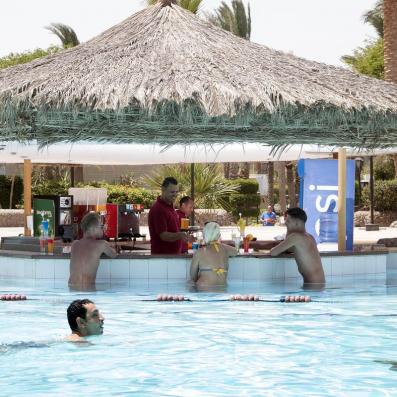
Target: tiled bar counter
259	267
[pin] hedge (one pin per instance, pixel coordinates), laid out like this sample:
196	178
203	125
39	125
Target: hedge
385	195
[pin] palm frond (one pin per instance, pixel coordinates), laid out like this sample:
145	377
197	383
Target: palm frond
65	33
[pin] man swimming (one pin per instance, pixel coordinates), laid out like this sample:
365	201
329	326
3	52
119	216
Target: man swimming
304	248
84	320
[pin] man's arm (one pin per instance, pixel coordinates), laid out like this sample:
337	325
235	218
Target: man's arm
170	236
284	245
109	250
194	267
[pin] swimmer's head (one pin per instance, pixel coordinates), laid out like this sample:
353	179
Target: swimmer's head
212	232
295	218
84	318
91	224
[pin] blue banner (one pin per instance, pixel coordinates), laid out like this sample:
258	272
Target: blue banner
318	196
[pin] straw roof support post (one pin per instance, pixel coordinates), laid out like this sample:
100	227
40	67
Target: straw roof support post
371	187
341	199
192	172
27	194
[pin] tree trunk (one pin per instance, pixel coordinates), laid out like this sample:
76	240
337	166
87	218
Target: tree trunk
12	190
282	190
291	184
390	39
395	164
233	172
226	170
270	175
245	170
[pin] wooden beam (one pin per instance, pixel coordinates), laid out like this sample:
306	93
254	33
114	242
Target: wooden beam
27	194
341	199
192	191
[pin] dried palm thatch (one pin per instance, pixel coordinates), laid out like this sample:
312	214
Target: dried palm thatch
166	76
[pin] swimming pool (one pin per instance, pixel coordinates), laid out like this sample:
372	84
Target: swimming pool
327	348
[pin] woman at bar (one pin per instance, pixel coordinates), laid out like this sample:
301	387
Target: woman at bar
210	263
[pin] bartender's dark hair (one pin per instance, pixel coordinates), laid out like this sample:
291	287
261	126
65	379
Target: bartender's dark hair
297	213
169	181
184	199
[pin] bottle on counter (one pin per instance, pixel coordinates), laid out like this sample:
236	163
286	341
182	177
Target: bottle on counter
241	225
43	241
43	236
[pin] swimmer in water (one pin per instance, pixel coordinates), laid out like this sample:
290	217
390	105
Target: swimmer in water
84	320
86	253
210	263
304	248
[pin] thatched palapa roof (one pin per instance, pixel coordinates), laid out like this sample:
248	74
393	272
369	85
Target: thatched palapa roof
166	76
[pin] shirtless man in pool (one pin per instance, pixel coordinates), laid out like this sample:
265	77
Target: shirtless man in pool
304	248
86	253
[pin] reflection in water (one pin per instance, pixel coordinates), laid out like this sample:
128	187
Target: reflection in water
388	362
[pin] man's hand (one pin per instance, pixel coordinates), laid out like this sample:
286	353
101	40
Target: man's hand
183	236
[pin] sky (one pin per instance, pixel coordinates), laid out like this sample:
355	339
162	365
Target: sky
320	30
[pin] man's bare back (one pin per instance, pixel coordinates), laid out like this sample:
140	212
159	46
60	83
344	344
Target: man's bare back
304	248
84	260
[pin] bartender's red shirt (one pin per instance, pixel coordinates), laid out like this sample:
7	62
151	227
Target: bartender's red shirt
163	218
181	215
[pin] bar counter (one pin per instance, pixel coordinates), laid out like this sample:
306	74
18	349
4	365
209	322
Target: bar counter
141	266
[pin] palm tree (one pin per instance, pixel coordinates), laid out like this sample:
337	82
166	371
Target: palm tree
375	17
390	40
235	19
190	5
65	33
211	189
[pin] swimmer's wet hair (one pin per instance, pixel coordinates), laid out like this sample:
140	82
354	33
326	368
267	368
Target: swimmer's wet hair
297	213
77	309
212	232
89	221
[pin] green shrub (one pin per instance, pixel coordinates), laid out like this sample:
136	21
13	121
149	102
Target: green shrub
248	186
384	168
121	194
246	204
385	195
5	188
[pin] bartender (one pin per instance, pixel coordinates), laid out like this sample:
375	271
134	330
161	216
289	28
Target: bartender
186	205
164	226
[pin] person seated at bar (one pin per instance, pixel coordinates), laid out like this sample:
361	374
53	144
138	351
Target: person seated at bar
268	218
84	320
210	263
86	252
186	205
164	227
304	248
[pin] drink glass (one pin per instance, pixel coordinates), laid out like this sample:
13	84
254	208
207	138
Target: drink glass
184	223
50	245
42	244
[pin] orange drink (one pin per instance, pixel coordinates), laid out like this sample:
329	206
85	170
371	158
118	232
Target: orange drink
184	223
50	245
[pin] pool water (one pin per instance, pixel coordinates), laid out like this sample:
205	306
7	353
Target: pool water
336	346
